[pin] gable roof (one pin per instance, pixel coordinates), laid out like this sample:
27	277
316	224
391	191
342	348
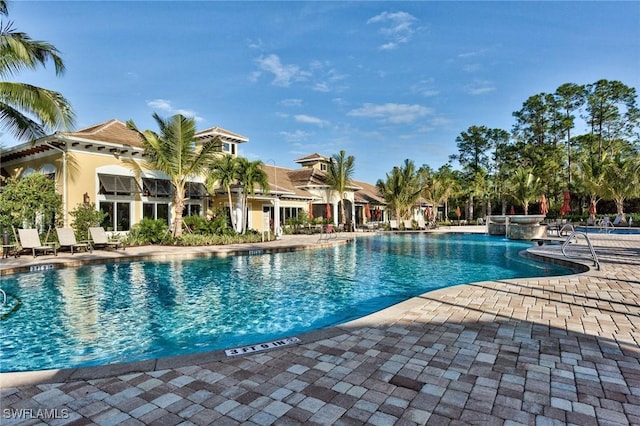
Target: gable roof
224	134
113	131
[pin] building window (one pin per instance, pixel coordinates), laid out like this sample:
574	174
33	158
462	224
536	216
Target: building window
191	210
156	211
323	167
117	215
289	213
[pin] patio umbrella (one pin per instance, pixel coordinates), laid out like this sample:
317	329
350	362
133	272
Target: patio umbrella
566	208
592	209
513	210
367	211
544	208
327	213
310	210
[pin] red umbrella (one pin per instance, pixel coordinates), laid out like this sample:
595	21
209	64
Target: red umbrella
566	207
458	213
367	211
513	210
310	210
544	208
592	209
327	213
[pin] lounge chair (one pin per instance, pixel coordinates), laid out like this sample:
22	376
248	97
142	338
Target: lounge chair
99	238
29	239
408	224
67	238
393	224
421	223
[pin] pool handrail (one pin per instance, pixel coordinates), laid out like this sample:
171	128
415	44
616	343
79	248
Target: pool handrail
574	235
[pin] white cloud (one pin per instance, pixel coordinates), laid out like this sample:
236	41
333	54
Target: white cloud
392	113
302	118
161	104
480	87
425	88
297	136
396	27
283	74
165	105
291	102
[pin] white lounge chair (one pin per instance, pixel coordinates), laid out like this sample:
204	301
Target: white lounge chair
408	224
99	238
29	239
67	238
393	224
421	223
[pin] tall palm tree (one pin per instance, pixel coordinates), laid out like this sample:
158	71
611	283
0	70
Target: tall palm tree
250	174
173	151
224	171
28	111
340	175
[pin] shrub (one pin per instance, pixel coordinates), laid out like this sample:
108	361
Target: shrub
84	217
149	231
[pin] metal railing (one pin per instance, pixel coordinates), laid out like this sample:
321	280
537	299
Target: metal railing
574	236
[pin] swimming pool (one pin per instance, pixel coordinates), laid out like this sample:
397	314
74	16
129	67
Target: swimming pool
100	314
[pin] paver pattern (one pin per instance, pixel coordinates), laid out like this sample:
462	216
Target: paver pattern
560	350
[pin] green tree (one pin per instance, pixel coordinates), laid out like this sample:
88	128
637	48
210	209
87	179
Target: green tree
28	111
525	188
174	152
611	113
401	189
339	176
250	174
224	171
622	180
30	201
436	188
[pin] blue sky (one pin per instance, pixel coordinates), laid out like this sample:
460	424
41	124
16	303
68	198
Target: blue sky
382	80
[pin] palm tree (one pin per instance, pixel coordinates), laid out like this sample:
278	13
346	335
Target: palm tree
525	188
622	180
401	190
339	176
28	111
224	171
250	174
173	151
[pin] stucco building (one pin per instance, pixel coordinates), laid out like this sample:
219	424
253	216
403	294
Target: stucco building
95	164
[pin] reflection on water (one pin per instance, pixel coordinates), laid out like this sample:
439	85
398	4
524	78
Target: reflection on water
139	310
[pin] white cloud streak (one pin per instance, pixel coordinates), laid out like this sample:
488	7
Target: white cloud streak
391	112
165	106
307	119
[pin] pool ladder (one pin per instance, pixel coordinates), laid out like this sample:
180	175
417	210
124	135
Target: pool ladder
4	297
574	236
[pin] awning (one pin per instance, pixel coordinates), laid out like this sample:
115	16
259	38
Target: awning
157	187
195	190
117	184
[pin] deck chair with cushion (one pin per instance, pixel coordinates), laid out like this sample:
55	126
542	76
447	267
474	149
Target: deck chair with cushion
67	238
30	240
100	239
408	224
393	224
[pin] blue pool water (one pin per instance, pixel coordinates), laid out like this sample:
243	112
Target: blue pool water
101	314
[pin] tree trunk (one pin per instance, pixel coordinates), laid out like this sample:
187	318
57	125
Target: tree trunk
620	209
233	221
178	206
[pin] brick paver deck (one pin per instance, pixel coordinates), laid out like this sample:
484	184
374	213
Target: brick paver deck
524	351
